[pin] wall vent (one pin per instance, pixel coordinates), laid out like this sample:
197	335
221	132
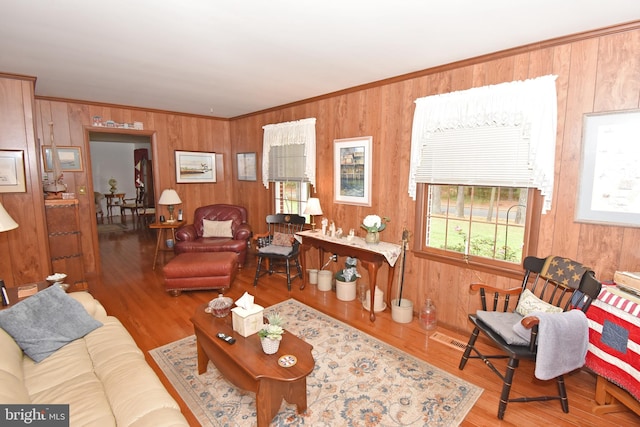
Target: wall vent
450	341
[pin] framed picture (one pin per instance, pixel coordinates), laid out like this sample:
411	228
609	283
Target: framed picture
70	158
352	170
246	166
195	167
609	185
12	172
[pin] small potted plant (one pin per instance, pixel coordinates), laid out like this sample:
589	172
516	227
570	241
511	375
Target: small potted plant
374	224
271	333
346	280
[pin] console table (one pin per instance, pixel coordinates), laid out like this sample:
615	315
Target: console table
371	257
113	199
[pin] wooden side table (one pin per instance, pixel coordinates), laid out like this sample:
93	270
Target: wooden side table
113	199
162	228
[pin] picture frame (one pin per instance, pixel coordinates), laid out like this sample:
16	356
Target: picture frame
195	167
247	169
70	158
609	183
352	163
12	175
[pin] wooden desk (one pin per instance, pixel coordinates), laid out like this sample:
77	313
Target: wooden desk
247	366
114	199
162	228
371	256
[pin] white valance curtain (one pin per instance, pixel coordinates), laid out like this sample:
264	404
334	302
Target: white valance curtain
291	133
499	135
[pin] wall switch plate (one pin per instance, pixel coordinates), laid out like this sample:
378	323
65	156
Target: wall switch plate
82	189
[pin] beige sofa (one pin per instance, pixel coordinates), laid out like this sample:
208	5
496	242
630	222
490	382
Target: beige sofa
103	377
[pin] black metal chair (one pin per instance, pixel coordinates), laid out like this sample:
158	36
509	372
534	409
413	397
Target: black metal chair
561	283
279	247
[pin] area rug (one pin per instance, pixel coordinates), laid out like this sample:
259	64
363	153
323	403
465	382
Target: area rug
358	380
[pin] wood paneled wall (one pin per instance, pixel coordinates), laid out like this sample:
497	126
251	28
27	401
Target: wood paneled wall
598	71
24	251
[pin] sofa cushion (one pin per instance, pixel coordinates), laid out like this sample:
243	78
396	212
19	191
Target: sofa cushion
216	228
46	321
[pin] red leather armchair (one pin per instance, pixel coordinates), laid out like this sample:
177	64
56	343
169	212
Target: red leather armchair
190	237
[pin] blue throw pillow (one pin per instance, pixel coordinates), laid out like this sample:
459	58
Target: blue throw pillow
47	321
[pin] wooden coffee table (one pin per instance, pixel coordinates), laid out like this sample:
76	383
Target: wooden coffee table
246	366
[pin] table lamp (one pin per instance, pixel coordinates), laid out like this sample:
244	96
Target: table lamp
169	197
313	208
6	223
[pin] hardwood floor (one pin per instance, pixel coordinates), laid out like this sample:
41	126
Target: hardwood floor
132	291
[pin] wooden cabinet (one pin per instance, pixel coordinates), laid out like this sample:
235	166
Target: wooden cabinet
65	245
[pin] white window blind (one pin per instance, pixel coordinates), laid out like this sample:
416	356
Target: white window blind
287	163
294	151
500	135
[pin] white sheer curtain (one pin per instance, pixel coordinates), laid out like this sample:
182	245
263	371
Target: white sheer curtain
290	133
487	117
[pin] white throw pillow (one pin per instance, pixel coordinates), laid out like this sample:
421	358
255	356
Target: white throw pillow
216	228
529	303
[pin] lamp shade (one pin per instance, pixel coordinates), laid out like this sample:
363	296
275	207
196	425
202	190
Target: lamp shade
6	222
169	197
313	206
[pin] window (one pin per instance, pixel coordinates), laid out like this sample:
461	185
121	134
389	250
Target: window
291	197
484	225
289	161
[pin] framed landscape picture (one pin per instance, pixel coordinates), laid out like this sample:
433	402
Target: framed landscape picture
195	167
352	161
70	158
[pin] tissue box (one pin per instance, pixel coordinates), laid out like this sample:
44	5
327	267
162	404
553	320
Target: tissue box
247	322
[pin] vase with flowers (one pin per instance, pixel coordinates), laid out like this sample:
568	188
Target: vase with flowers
271	333
374	224
346	280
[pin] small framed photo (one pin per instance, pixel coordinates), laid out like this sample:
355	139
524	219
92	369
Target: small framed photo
352	159
609	186
246	166
195	167
12	178
70	158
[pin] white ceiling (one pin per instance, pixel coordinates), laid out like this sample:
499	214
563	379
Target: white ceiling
229	58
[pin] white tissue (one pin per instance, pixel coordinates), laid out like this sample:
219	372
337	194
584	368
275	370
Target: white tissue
245	301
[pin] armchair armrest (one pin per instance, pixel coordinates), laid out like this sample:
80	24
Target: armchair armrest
243	232
489	288
498	294
186	233
531	322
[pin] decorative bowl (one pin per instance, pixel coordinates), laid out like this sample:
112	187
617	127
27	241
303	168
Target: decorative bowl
56	278
219	307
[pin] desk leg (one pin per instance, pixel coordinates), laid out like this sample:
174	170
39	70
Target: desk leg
303	263
372	269
155	257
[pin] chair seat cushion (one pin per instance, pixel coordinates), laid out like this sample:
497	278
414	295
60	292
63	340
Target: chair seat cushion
502	324
276	250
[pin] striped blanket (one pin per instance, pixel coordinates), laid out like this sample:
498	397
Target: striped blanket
614	341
